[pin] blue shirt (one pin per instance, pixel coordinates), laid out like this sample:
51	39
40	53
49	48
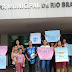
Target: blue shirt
29	52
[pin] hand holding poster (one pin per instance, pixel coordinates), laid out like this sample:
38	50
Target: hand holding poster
3	50
45	53
61	54
2	62
35	38
52	36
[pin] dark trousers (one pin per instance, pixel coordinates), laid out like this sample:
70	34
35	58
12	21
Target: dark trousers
37	64
31	67
53	64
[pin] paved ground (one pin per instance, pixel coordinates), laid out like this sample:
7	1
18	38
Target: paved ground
9	69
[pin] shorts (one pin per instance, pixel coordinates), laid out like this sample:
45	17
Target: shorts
14	67
60	63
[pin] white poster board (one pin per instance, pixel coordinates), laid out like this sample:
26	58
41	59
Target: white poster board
61	54
35	38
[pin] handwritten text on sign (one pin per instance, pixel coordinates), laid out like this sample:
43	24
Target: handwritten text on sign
52	36
45	53
61	54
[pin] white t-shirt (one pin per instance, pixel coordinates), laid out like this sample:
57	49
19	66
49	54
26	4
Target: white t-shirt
45	46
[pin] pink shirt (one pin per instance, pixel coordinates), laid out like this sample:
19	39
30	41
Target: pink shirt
20	58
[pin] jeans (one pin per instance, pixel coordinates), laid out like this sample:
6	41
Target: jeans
37	64
43	64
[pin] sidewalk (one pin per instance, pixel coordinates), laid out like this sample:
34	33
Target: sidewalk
9	69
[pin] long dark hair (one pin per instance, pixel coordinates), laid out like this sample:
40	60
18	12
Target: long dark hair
15	42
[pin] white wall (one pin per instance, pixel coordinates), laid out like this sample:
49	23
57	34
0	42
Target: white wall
36	12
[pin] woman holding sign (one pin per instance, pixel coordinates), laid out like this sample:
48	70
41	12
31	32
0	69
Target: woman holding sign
30	55
60	64
45	62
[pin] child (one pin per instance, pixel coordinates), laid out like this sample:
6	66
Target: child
13	57
60	64
20	60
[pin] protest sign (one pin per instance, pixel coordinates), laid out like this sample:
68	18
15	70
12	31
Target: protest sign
52	36
35	38
3	50
2	62
45	53
70	49
61	54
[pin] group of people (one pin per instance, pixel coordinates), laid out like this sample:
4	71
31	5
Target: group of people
20	54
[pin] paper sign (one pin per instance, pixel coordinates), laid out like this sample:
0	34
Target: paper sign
71	60
3	50
45	53
2	62
61	54
66	45
52	36
35	38
69	49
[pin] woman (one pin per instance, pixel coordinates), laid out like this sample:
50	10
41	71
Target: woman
18	45
30	55
45	62
68	63
60	64
52	62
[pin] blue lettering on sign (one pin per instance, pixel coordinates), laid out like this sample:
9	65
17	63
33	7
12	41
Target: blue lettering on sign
35	39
